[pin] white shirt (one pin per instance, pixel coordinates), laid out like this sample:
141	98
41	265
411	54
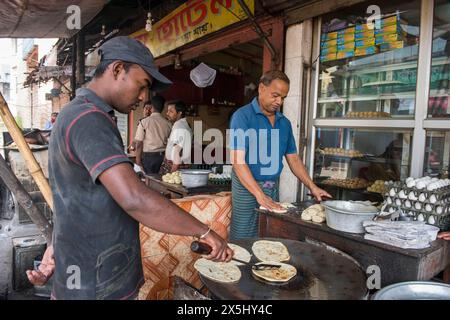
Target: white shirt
181	136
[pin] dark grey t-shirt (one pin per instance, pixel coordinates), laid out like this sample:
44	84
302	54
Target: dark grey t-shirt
96	243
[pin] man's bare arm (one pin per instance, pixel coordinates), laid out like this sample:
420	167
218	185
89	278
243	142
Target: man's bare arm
139	151
299	170
153	210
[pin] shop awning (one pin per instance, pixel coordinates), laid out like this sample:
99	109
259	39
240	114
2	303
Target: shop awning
35	19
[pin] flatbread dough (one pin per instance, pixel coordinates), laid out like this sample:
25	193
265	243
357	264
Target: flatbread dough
239	253
225	272
266	250
285	205
274	210
314	213
285	273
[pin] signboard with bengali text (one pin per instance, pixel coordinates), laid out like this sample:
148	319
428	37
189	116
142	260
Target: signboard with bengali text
191	21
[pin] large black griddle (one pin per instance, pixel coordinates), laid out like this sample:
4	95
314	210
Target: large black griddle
322	273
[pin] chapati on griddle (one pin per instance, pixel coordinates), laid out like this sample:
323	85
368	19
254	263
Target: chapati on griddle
240	253
285	273
266	250
226	272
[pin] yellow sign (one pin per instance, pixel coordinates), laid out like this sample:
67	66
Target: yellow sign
191	21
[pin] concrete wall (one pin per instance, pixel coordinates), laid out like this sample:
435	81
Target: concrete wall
297	52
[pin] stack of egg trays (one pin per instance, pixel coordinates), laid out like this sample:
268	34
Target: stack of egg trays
430	216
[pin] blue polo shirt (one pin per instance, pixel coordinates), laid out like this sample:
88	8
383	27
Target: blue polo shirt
264	145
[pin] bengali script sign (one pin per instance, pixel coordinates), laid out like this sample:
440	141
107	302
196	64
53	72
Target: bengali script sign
191	21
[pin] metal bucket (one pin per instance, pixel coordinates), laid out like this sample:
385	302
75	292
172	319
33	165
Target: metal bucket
414	290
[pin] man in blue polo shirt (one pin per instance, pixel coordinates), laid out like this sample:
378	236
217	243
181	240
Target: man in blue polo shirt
260	137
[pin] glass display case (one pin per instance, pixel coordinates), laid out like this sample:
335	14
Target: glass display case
437	154
369	70
351	164
363	121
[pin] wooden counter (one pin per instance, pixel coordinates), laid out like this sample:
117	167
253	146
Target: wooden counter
396	264
176	191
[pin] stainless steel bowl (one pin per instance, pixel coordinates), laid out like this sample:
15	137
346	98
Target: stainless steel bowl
192	178
414	290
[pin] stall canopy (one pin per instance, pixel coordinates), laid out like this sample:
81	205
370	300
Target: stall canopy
37	19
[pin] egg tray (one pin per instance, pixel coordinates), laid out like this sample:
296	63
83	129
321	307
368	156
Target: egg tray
442	194
442	202
442	221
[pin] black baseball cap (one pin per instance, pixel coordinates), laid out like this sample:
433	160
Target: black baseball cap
131	50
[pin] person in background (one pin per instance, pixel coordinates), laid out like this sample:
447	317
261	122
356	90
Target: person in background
178	151
151	137
146	111
49	123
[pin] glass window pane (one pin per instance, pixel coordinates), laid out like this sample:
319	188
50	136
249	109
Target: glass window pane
437	154
439	103
348	161
369	73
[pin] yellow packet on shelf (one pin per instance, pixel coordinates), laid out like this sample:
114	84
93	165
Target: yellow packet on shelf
364	51
365	42
392	45
328	57
330	43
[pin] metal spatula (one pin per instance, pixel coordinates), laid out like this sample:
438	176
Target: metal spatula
204	248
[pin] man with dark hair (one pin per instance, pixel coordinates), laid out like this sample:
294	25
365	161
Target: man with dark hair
260	137
151	137
98	199
178	149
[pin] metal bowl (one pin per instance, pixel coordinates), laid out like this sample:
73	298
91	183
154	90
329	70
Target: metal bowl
192	178
414	290
348	216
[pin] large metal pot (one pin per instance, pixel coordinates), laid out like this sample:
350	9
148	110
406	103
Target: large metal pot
348	216
414	290
192	178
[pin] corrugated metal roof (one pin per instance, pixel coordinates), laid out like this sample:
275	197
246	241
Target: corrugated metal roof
45	19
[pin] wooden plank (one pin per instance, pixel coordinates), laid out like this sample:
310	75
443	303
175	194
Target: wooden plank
239	34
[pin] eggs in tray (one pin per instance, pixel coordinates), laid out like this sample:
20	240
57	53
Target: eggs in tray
174	177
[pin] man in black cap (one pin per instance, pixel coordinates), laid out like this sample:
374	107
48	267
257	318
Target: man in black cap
98	199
